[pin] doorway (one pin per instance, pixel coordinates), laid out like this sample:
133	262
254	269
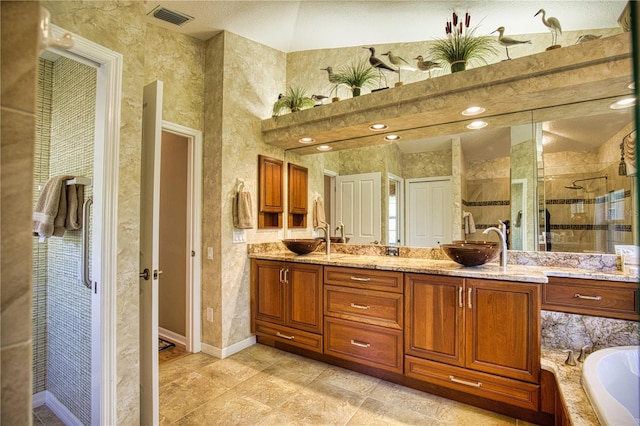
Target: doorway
179	284
84	388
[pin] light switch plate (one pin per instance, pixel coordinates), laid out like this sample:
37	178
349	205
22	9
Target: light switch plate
239	237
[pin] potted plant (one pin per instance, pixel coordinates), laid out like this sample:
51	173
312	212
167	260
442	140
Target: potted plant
461	45
357	75
295	99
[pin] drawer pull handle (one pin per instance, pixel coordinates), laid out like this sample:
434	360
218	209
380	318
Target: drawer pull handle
464	382
469	297
360	344
353	305
580	296
284	336
360	278
460	302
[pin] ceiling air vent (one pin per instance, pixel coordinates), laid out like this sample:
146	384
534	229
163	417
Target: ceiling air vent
170	16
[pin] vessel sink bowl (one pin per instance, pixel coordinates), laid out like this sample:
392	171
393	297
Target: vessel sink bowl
471	253
302	245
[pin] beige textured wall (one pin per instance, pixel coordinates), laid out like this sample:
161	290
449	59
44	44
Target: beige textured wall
19	57
304	68
238	97
120	26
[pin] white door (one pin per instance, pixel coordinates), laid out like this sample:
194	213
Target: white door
358	206
428	212
149	242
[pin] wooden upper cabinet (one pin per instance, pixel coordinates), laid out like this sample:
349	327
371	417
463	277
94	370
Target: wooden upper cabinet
271	189
298	195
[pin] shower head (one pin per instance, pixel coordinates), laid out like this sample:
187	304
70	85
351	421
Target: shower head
574	186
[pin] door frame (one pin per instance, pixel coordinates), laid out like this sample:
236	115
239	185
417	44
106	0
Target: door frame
105	220
194	235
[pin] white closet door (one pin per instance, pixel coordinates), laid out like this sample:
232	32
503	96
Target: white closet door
358	206
428	212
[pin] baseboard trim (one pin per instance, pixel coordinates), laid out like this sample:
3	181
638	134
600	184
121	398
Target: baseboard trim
171	336
229	350
63	413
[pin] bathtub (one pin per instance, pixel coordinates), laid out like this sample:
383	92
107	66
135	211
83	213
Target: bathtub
611	379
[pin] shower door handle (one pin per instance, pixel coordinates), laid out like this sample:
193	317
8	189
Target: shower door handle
85	242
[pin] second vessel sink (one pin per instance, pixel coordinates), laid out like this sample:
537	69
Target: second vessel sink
302	245
471	253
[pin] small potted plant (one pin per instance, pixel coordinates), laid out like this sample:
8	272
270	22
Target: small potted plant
356	76
295	99
462	45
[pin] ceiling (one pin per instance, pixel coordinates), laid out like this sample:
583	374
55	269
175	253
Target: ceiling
291	26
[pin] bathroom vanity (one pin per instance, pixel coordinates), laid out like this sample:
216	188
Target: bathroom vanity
468	334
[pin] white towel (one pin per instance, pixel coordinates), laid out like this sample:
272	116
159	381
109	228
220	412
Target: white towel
318	213
50	213
242	208
469	224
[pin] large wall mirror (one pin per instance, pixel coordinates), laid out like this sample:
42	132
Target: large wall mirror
562	178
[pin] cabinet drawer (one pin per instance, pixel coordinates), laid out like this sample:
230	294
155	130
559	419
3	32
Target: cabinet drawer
371	307
365	344
290	336
497	388
591	297
370	279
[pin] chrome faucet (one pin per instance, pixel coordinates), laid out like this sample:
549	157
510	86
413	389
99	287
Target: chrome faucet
502	233
340	228
327	236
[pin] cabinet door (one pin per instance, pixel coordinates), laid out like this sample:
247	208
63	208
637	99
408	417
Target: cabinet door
304	297
503	328
268	291
298	193
434	315
271	188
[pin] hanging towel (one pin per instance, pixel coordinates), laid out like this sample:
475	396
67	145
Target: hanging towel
242	216
75	200
51	209
469	224
318	212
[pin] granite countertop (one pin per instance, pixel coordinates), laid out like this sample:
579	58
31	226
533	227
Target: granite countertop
569	377
513	272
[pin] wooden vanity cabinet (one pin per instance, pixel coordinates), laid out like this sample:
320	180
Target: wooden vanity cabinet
477	336
298	196
270	192
609	299
286	302
363	316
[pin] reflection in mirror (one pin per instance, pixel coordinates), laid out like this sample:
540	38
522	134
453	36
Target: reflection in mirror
394	216
589	179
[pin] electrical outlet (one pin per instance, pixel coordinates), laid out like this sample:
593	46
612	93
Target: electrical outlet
210	314
392	251
210	253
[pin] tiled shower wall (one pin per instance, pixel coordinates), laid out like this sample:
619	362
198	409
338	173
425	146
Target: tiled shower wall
67	346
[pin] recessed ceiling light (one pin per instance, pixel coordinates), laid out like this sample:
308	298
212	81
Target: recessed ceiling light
324	148
306	140
391	138
473	110
632	85
478	124
545	140
623	103
378	126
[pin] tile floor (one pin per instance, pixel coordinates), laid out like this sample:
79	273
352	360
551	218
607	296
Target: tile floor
265	386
